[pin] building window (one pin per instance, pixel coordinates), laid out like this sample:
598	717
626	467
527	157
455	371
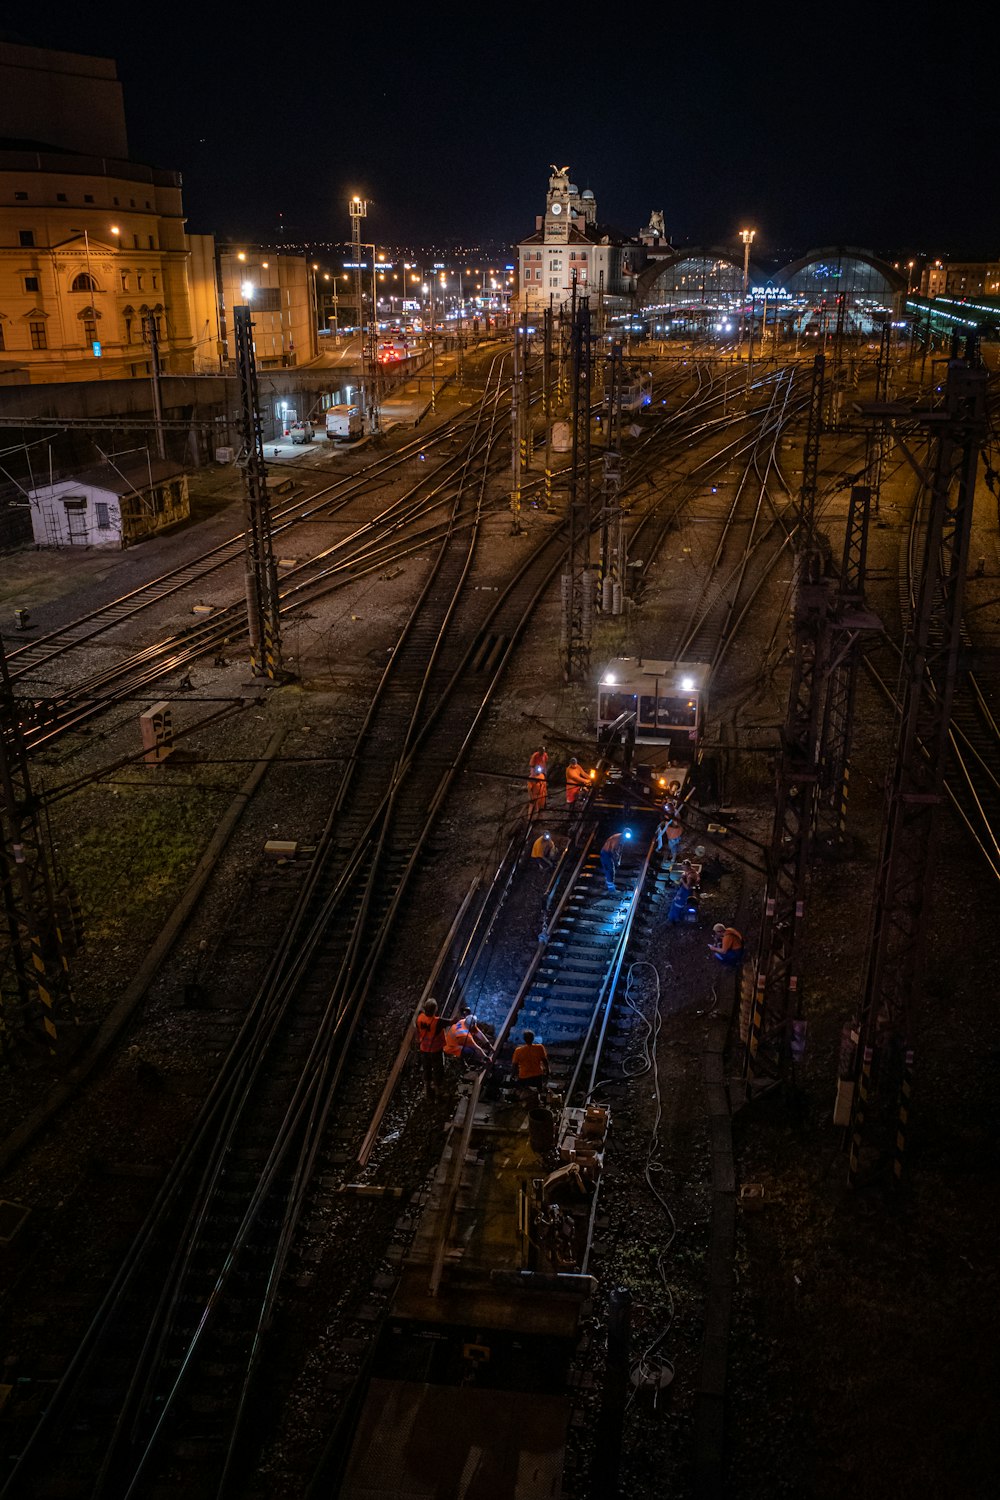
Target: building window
103	515
131	203
128	330
84	283
553	281
31	283
38	339
2	344
156	281
152	243
88	197
140	280
26	237
135	237
90	330
148	204
60	197
115	202
21	197
123	278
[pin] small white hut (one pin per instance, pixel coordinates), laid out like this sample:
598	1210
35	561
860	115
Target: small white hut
110	505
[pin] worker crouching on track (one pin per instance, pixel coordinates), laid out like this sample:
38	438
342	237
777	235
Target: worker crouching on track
430	1031
728	946
529	1066
465	1043
576	780
684	906
544	852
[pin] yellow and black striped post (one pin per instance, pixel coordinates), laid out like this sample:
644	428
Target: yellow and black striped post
862	1099
902	1118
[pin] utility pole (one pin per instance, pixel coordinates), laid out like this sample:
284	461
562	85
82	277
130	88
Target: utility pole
850	623
547	400
38	950
367	328
612	519
776	1031
578	580
516	445
152	335
263	606
877	442
885	1030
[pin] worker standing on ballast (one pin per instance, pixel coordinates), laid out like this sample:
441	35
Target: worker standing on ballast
530	1063
430	1032
538	768
576	779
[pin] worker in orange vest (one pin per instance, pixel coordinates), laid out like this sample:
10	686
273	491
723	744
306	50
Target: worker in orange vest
728	945
430	1032
538	787
530	1063
464	1042
576	780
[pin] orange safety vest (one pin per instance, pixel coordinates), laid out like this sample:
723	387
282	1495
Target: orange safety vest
429	1033
731	939
530	1060
456	1037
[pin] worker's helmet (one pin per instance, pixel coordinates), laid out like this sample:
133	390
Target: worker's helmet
573	761
430	1006
719	927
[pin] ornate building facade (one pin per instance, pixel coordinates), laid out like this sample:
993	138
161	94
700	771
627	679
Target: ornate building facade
92	245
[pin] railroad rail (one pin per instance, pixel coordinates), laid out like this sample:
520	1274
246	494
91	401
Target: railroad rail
225	1217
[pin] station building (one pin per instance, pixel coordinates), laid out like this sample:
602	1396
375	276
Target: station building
571	248
92	244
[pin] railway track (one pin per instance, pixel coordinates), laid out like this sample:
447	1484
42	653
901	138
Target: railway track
158	1386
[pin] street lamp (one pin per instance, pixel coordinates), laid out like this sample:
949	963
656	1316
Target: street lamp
747	236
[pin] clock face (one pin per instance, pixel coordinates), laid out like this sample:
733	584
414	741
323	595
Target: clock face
557	208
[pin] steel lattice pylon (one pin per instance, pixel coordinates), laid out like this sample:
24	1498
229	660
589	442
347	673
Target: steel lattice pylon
884	1055
578	580
775	1030
263	606
849	623
37	953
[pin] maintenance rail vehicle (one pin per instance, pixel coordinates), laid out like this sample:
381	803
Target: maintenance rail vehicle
663	704
470	1389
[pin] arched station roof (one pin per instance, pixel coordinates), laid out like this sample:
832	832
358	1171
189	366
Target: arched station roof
834	267
671	268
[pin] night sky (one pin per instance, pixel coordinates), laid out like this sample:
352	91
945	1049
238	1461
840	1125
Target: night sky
817	127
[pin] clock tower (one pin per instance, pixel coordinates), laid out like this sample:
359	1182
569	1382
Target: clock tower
557	207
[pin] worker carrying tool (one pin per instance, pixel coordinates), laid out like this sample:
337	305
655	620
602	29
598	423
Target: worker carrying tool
530	1063
728	945
576	779
430	1034
611	856
684	906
